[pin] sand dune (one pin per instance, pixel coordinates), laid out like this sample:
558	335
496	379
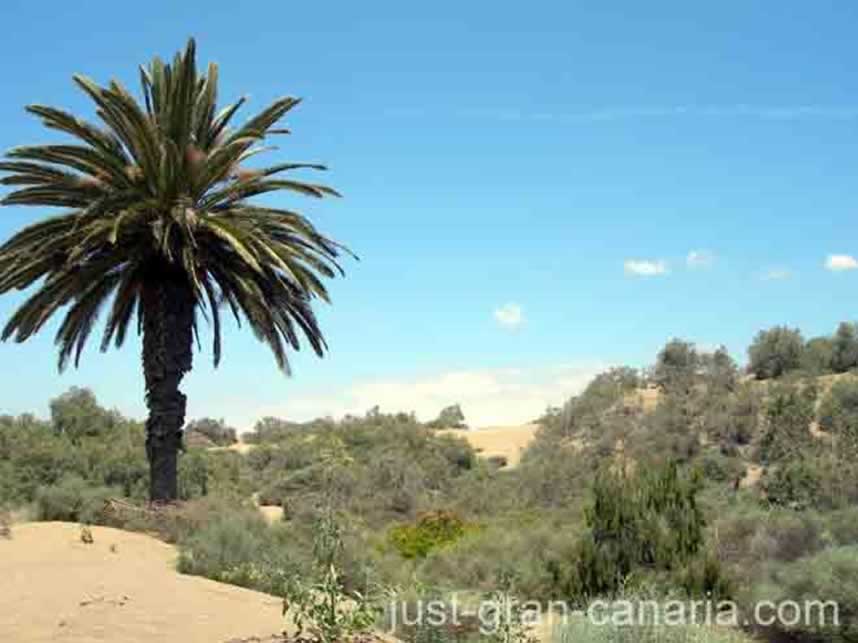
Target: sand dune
122	588
504	441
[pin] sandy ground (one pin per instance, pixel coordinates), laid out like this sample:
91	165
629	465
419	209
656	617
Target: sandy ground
56	588
241	447
507	441
271	513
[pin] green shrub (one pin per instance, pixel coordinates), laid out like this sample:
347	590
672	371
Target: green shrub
430	531
412	622
704	576
239	548
649	521
829	576
76	415
174	523
838	414
193	474
818	356
321	604
789	410
5	523
720	468
794	484
821	480
745	409
842	526
72	500
677	366
750	536
581	630
540	547
450	417
210	430
775	352
844	353
786	536
507	619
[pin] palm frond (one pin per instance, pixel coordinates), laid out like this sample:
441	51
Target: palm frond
158	189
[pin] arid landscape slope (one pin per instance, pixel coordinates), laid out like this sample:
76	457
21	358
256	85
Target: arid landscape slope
122	587
507	442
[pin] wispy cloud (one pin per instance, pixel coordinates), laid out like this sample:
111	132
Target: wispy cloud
776	273
488	397
840	263
509	316
700	259
645	267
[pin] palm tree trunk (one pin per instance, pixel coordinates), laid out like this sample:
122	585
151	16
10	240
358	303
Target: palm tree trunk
168	320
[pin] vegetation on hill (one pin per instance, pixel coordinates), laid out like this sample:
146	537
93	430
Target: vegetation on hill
685	480
781	350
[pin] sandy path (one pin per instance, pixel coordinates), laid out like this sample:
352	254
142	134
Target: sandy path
56	588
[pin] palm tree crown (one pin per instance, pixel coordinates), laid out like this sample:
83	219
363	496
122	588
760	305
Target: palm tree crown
160	192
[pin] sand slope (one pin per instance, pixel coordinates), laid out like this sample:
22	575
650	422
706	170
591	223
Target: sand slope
56	588
506	441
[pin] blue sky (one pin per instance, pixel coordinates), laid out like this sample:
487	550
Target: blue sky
508	171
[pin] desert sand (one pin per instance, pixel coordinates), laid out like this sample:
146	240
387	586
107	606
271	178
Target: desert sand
504	441
122	588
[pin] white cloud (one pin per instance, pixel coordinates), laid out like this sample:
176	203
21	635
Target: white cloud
509	316
700	259
488	397
645	268
776	274
839	263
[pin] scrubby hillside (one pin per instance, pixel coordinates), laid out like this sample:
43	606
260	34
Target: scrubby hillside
690	479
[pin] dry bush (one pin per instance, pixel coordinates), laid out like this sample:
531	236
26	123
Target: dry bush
5	524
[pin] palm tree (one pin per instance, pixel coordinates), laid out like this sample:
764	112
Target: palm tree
157	221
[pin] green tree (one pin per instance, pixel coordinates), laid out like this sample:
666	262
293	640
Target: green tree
215	430
844	353
818	355
650	520
775	351
450	417
157	220
789	410
838	414
76	414
676	366
719	370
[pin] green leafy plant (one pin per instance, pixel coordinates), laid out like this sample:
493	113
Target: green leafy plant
432	530
324	608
